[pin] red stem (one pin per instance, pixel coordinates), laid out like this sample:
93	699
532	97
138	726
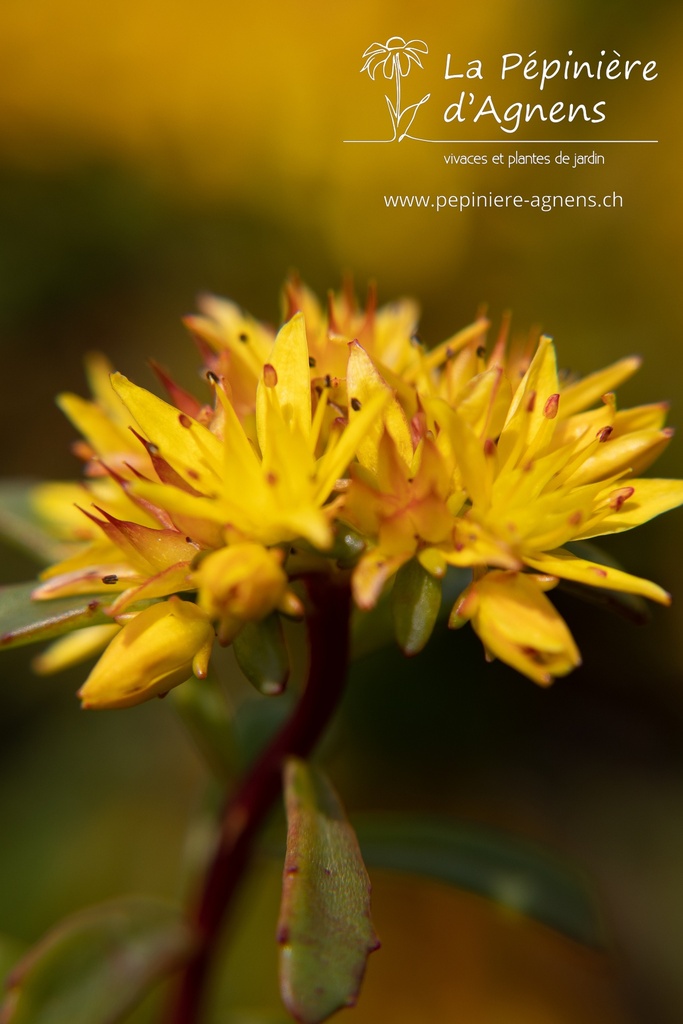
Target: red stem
328	625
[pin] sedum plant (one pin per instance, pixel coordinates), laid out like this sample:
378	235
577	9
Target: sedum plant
333	465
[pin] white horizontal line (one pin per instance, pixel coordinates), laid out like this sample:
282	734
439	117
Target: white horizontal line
523	142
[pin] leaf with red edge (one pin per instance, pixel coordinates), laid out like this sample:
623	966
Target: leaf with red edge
324	930
23	621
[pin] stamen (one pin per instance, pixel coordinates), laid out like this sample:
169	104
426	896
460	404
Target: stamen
617	498
269	375
551	406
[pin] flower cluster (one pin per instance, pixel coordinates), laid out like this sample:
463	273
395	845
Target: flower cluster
196	517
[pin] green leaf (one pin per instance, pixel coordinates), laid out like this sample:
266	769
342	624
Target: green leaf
324	929
510	871
372	630
415	601
23	621
262	654
94	967
20	524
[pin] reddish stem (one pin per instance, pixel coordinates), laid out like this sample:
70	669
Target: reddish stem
328	625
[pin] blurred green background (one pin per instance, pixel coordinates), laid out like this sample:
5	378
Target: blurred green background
154	150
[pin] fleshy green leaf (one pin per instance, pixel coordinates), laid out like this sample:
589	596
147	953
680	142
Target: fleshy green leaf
23	621
415	601
372	630
262	654
513	873
20	524
94	967
324	930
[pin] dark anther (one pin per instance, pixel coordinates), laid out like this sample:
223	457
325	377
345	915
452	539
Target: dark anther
213	377
355	404
243	337
111	578
311	361
481	351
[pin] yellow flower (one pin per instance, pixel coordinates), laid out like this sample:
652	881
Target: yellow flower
265	483
548	479
517	623
158	649
453	456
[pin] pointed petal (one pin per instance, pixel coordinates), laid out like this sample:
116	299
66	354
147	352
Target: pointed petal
567	566
73	648
104	436
372	572
187	445
176	579
650	498
585	392
634	452
363	381
289	357
334	462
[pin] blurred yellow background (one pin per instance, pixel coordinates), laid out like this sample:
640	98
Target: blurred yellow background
154	150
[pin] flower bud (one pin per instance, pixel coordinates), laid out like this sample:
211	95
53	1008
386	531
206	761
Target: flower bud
240	583
158	649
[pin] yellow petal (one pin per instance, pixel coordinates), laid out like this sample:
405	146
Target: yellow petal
187	445
363	382
540	380
585	392
73	648
634	452
289	358
650	498
569	567
173	580
517	623
371	574
225	326
335	460
528	422
103	436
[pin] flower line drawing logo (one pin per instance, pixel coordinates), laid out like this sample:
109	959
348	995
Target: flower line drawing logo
395	58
